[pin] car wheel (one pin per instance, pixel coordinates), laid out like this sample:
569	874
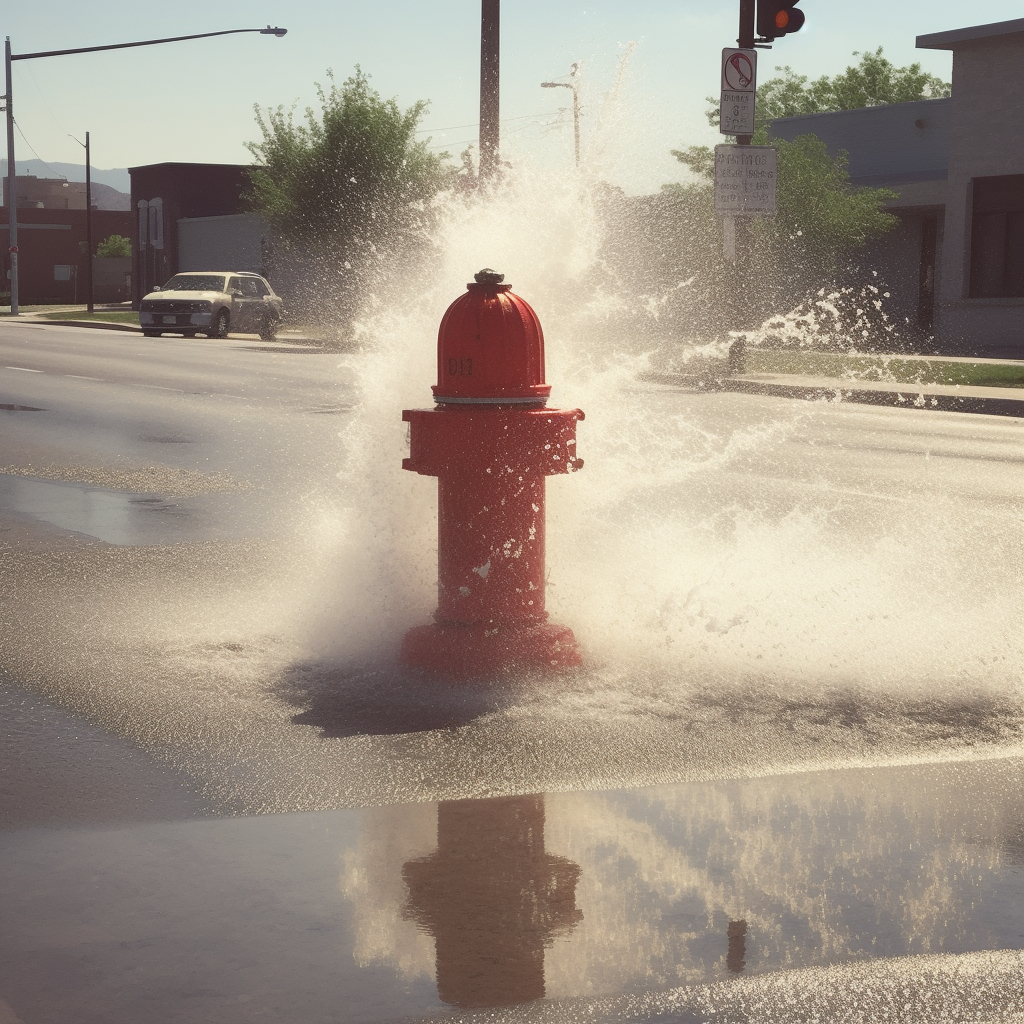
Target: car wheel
268	328
151	334
220	326
188	334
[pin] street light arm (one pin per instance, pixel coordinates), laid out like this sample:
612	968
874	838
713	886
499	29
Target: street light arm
557	85
268	31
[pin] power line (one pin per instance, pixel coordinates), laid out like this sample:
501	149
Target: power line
37	156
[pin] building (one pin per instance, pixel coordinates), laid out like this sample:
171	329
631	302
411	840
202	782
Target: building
192	217
52	253
980	296
955	264
48	193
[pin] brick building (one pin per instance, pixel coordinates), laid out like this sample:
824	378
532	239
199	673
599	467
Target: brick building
52	254
188	214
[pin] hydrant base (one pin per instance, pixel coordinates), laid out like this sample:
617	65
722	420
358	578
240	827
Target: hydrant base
480	649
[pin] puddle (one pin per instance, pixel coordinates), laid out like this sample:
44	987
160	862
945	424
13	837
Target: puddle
122	517
372	914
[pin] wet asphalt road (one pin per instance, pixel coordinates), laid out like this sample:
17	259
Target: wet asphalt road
150	688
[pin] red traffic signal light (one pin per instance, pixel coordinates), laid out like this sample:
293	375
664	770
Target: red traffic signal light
777	18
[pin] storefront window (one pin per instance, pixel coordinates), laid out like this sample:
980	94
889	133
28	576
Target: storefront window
997	237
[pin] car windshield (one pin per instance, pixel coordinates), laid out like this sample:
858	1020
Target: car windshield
195	283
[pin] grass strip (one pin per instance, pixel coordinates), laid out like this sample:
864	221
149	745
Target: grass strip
114	316
886	368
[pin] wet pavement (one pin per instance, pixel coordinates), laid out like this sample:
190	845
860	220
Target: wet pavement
585	901
220	801
123	518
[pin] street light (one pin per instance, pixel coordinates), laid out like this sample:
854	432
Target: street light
12	196
574	85
89	304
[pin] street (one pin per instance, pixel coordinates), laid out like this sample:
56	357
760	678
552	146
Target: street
796	616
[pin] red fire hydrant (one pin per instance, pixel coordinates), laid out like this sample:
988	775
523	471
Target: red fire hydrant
490	441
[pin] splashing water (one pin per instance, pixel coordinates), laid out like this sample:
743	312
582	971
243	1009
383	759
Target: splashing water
709	540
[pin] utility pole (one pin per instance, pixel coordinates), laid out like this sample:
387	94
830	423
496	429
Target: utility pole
12	182
490	17
575	86
88	227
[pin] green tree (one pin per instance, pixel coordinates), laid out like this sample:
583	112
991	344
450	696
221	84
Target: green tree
873	82
346	193
821	225
822	220
819	212
114	246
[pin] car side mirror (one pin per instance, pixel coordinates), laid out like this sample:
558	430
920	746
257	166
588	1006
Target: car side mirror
236	293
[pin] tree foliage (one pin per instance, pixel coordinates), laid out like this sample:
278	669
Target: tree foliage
344	191
813	241
819	213
873	82
114	246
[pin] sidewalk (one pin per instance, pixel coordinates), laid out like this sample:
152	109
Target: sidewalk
42	315
944	397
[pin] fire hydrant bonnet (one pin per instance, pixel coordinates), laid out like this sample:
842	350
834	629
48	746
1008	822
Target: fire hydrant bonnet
490	347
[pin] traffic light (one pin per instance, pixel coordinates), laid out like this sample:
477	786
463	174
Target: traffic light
777	18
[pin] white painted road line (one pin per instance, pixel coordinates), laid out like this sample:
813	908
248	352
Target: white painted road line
79	376
24	369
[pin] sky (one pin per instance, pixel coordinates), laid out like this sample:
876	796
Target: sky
647	66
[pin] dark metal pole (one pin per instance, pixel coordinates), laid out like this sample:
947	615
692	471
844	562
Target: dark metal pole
88	226
746	42
490	17
741	299
12	179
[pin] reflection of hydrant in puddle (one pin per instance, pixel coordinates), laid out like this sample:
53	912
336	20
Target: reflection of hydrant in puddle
493	899
490	442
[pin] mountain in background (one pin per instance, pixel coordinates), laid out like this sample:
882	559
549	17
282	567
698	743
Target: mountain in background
110	188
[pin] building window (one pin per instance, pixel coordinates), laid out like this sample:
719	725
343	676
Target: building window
61	272
997	237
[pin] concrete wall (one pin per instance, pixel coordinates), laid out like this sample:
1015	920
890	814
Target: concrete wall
987	138
230	242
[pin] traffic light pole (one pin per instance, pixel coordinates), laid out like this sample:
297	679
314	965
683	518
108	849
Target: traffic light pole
490	28
741	224
745	41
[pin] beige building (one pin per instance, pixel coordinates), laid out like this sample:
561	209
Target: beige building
955	264
980	296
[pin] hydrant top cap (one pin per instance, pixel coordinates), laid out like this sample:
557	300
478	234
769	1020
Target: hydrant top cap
490	280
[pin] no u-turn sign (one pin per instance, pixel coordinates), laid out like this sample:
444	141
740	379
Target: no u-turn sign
739	82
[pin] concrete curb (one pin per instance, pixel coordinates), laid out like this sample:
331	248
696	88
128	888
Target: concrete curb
109	325
937	398
104	325
919	397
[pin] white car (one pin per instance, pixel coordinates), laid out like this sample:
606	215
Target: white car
213	304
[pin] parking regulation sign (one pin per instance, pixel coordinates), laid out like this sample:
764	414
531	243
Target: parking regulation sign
745	178
739	82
